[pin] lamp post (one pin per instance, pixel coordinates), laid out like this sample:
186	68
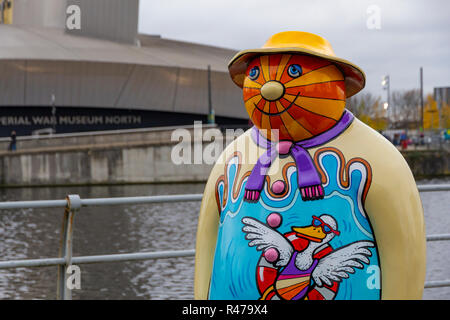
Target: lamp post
211	116
421	98
53	100
386	83
386	106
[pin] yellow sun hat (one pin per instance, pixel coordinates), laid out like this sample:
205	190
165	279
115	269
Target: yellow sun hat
297	42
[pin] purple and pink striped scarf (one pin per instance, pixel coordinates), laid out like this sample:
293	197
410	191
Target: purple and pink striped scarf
308	178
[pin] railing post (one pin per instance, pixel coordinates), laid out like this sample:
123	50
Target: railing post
65	249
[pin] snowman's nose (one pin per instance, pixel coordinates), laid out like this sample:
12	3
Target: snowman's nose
272	90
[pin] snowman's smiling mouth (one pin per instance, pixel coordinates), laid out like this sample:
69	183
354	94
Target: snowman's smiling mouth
277	113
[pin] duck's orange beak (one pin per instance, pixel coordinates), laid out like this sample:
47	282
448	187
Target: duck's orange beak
311	233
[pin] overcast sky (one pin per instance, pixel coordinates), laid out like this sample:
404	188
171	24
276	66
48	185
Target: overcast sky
406	35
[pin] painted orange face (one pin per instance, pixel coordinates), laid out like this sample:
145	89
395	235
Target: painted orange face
301	96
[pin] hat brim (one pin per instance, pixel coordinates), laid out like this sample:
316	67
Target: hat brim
355	78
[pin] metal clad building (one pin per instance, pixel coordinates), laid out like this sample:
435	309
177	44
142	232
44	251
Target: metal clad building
41	13
81	81
442	96
115	20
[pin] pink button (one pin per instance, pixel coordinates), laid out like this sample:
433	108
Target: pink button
271	254
274	220
283	147
278	187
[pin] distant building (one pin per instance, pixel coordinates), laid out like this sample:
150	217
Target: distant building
442	96
104	75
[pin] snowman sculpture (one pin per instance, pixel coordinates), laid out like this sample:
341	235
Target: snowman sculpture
310	203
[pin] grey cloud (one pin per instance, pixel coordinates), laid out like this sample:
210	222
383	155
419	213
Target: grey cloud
413	33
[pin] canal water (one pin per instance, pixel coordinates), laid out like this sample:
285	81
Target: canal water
35	233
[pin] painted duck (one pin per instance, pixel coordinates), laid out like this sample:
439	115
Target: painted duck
298	270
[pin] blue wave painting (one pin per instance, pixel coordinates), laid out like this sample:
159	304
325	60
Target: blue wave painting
235	262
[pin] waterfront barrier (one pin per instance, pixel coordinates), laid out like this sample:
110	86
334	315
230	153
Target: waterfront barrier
141	156
73	204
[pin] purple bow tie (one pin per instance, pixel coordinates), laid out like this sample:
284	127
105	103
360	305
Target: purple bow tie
309	181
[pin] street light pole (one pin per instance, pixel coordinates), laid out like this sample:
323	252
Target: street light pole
211	117
389	90
386	83
53	100
421	98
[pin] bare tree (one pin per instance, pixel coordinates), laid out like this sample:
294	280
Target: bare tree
364	104
368	109
404	111
405	107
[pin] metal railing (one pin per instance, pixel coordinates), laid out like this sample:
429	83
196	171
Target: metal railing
73	203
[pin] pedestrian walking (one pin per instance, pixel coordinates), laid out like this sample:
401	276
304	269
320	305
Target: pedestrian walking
13	142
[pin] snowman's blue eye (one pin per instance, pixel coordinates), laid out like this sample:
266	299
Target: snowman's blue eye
254	73
295	70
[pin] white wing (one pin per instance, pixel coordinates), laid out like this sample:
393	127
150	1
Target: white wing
264	237
338	264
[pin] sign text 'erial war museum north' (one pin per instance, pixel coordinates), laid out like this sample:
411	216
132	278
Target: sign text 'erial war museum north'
27	120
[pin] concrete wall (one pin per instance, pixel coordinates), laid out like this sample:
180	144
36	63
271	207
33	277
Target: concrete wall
430	163
108	157
98	138
136	163
107	164
131	156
